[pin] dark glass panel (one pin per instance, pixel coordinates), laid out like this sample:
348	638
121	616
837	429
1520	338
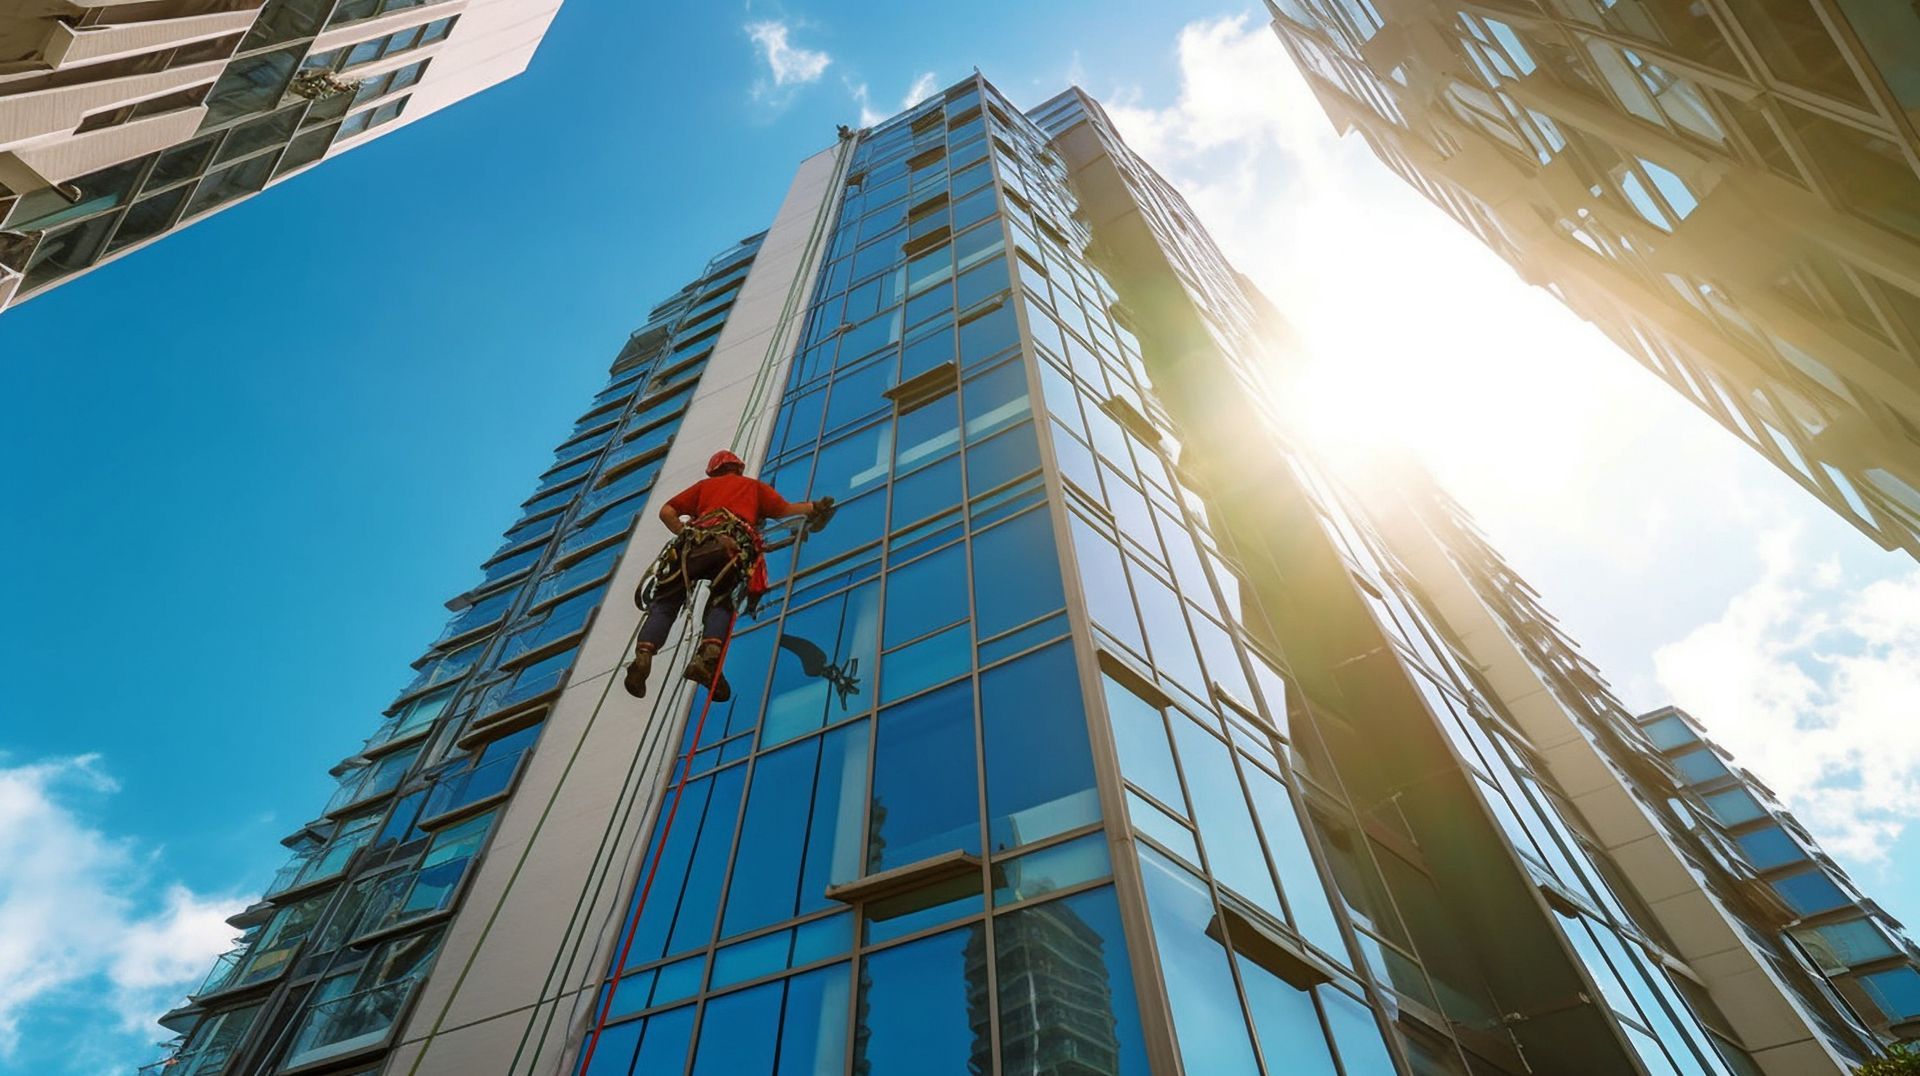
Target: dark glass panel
925	796
1066	989
1016	573
823	662
1039	769
739	1033
929	593
813	1029
922	1009
251	85
663	1044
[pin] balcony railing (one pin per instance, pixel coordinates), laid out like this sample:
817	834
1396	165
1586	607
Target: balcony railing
347	1024
207	1060
471	786
222	974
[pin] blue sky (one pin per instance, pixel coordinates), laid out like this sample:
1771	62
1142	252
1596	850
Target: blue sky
252	461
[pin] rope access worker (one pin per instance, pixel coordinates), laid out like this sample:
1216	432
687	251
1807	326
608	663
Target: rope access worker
716	537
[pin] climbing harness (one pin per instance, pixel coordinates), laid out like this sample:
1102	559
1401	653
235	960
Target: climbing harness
742	544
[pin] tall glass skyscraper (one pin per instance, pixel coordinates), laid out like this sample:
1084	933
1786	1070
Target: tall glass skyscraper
1730	189
1104	731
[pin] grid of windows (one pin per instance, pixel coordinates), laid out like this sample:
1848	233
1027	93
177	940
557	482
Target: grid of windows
1659	1021
1618	124
264	120
349	927
911	698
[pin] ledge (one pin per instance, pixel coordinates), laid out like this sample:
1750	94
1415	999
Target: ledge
1246	934
929	872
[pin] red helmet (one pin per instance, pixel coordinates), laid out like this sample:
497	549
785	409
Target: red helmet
722	460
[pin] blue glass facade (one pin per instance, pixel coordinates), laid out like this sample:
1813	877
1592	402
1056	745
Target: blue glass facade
1015	777
1103	732
333	954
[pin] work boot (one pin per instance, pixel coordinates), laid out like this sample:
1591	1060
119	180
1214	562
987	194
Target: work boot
637	672
704	669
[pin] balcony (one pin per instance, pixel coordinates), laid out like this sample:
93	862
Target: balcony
224	969
459	793
72	46
208	1060
347	1025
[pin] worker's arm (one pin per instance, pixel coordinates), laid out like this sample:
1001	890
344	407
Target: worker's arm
671	517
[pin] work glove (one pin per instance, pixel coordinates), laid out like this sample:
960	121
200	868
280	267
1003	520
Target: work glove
821	515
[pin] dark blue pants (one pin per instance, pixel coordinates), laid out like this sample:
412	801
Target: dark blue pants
711	560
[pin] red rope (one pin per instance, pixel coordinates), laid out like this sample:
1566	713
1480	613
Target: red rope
659	850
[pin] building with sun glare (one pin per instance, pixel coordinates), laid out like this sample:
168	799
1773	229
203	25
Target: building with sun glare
1730	189
1105	732
122	122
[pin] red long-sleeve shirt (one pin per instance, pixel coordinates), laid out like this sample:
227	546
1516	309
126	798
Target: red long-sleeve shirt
749	498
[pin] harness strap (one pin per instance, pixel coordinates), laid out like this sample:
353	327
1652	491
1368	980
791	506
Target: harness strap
718	523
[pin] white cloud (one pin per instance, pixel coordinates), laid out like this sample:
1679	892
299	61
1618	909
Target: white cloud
921	89
70	923
863	97
1812	684
790	65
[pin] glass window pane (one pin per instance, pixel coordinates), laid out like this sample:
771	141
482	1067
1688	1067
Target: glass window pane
825	655
1066	990
1173	652
1002	458
1220	812
813	1030
1733	806
1140	737
1306	895
1362	1051
926	491
1103	583
933	660
1039	768
1035	874
1016	573
1896	991
925	796
1291	1038
1207	1020
695	854
1768	848
926	594
913	1012
1838	946
1810	893
614	1048
664	1041
766	869
738	1033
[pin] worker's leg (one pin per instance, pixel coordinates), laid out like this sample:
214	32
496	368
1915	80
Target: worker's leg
669	595
716	622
